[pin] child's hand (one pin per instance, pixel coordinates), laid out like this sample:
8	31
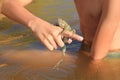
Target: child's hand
47	33
50	35
68	31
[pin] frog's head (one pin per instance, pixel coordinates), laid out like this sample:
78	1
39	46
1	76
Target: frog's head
61	23
64	24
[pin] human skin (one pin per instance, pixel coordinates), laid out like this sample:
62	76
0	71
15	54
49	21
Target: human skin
100	24
47	33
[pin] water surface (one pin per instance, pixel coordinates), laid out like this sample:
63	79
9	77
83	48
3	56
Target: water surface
23	57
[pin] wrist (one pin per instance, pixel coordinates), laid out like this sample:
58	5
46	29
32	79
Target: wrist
33	23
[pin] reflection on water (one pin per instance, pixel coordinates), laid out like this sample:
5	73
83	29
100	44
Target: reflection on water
23	57
35	65
38	64
87	69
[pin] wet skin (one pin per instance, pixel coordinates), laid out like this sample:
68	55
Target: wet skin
92	16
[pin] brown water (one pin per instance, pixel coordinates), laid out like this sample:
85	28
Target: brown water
23	57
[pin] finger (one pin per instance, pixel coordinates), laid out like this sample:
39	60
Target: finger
52	42
59	41
77	37
69	41
72	35
57	36
47	44
44	41
59	30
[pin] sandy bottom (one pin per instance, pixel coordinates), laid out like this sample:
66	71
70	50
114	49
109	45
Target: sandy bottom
38	65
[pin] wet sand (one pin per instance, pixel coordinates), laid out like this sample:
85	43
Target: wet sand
34	64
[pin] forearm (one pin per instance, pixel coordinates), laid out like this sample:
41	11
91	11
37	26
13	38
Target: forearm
103	39
17	12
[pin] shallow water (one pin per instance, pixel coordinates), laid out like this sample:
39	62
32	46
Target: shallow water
23	57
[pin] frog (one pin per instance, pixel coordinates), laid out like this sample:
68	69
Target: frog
66	28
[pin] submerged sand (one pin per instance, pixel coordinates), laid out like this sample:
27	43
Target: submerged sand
37	65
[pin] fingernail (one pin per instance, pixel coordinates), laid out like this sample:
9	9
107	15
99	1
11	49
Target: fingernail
81	38
69	41
62	45
51	49
55	47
